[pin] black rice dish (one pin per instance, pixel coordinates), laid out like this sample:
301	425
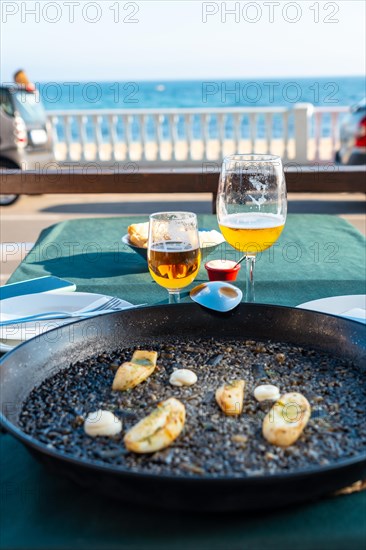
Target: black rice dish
211	442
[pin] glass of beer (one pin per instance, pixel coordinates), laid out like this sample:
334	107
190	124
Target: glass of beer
173	252
251	206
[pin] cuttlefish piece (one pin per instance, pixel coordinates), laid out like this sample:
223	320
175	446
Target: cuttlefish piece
158	430
230	397
286	420
133	372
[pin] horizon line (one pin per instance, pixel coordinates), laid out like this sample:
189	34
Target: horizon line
190	79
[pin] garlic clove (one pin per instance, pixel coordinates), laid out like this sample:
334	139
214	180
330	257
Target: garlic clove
266	392
102	423
183	377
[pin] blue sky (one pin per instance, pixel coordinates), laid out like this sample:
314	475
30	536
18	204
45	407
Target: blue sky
174	39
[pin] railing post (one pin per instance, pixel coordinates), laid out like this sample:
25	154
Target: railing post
53	121
113	137
97	120
221	134
171	135
68	136
302	117
237	118
188	122
285	118
127	135
335	132
143	135
82	120
253	131
269	123
318	118
159	121
205	135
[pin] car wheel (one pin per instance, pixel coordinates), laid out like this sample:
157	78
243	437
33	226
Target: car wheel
7	200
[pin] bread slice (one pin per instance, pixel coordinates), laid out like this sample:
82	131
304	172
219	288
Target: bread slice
138	233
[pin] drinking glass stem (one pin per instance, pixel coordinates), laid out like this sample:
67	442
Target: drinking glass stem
174	296
250	265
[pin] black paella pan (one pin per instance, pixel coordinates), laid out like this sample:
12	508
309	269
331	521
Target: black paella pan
30	364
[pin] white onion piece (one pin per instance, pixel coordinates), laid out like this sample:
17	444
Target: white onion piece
102	423
183	377
266	392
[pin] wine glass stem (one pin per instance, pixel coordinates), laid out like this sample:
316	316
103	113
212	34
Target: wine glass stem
174	296
250	265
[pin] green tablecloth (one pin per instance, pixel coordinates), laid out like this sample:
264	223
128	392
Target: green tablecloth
317	256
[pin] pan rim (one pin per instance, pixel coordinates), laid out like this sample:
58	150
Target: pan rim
192	304
315	470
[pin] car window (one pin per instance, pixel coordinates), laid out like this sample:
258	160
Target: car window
5	102
29	107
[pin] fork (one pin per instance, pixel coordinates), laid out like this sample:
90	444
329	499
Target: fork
114	304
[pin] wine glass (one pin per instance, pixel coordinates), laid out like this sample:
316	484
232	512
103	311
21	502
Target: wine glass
173	251
251	206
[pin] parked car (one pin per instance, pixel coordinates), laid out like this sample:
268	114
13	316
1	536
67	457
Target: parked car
353	136
25	135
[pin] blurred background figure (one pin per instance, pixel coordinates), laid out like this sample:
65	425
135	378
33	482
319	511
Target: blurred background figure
21	78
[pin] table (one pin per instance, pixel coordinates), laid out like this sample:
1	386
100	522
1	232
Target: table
316	256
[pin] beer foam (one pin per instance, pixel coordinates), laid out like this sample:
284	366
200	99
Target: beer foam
252	220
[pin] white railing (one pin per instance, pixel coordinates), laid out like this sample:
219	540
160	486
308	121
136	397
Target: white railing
190	136
329	118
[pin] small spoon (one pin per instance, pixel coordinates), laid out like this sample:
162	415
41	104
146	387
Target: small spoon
239	262
217	295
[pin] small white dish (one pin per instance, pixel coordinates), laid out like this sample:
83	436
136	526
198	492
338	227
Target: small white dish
350	307
21	306
217	295
4	348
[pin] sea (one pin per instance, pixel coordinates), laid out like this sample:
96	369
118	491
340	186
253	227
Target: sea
209	93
